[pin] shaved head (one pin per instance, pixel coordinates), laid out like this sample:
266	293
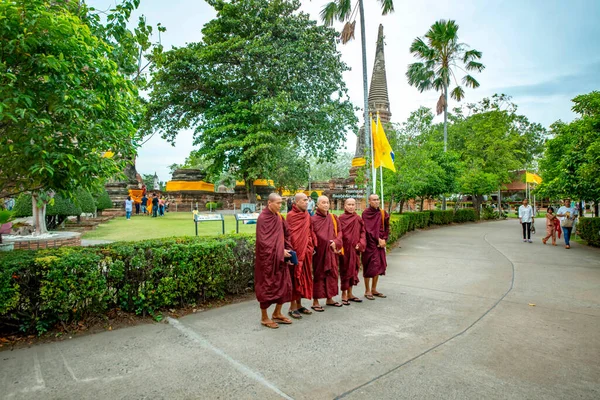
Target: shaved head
374	200
350	205
274	202
301	201
323	203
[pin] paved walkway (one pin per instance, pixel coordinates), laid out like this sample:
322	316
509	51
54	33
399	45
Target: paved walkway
459	323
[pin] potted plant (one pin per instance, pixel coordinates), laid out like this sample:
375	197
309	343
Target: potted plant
5	227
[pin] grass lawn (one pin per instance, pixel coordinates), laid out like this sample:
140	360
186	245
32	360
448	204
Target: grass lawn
172	224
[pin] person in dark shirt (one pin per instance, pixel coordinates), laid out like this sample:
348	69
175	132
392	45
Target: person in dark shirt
154	206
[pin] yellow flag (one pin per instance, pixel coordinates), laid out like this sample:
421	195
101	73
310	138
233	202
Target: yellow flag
383	153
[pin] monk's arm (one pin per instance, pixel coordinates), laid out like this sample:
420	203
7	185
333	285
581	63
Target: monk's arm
286	236
339	241
386	231
362	242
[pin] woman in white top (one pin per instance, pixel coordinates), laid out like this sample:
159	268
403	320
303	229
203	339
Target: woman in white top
526	219
568	215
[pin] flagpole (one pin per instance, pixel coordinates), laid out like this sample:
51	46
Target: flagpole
381	175
373	173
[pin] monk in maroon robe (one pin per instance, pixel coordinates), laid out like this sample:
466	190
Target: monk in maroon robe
328	246
355	242
272	281
377	226
302	239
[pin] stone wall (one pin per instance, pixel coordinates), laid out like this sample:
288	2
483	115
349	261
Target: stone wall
37	244
186	200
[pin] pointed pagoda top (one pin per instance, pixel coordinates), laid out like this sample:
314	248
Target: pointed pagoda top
378	92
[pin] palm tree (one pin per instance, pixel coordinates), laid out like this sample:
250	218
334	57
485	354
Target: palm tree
342	10
440	53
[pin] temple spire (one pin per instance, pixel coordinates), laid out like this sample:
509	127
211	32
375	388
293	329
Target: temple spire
378	92
378	99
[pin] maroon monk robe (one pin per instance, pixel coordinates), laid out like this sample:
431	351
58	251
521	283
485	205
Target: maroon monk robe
325	260
301	238
373	258
353	233
272	281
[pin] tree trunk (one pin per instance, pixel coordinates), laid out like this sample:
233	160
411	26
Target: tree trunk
251	189
421	206
363	42
391	203
39	216
401	206
596	208
445	134
499	203
477	201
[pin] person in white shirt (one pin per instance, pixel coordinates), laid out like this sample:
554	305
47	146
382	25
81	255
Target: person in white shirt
526	219
568	215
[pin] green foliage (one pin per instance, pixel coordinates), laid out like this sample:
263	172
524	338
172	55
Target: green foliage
6	216
438	217
489	213
253	89
63	100
23	206
338	167
589	230
103	201
571	163
84	200
40	289
464	215
214	205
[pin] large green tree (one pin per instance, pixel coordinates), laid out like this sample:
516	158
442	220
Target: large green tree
571	162
265	78
493	141
67	97
441	54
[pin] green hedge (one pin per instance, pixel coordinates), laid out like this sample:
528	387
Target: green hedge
438	217
589	230
43	288
465	215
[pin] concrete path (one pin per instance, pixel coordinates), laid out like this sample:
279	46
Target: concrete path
459	323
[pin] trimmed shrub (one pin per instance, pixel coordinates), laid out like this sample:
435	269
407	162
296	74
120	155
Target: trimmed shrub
23	206
214	205
40	289
589	230
439	217
85	201
103	201
464	215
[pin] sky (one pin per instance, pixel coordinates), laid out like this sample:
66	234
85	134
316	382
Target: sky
541	52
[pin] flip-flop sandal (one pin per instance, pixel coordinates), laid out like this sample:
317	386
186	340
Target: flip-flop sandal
317	308
285	321
345	302
304	310
383	296
295	314
355	299
270	325
336	304
369	297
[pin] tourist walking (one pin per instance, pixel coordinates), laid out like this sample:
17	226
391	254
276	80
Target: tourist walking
128	207
311	206
526	219
144	204
568	215
161	207
550	226
154	206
